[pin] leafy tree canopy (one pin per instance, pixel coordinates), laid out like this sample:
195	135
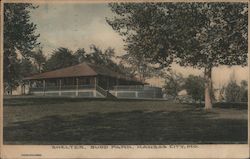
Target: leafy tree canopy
139	67
27	68
60	58
80	55
173	83
244	91
19	40
64	57
191	34
200	35
39	59
195	86
19	31
233	92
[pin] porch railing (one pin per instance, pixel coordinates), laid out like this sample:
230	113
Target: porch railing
128	88
65	87
134	88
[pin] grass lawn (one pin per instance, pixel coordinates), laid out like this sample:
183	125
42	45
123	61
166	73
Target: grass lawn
90	121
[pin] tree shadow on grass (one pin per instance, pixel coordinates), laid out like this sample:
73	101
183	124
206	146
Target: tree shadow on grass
134	127
226	105
60	100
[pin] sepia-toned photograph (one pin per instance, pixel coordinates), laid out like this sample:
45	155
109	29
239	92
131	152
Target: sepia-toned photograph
125	73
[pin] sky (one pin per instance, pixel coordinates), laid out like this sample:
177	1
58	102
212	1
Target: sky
75	26
79	25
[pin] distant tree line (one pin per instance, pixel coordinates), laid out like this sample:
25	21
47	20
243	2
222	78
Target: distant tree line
235	92
64	57
195	87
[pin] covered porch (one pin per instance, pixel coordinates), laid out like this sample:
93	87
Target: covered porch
87	80
90	86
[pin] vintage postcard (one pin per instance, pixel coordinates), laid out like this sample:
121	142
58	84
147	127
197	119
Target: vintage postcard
124	79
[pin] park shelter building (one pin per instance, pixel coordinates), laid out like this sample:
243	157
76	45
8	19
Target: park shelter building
89	80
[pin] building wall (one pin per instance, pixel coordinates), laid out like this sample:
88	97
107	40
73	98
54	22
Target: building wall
19	90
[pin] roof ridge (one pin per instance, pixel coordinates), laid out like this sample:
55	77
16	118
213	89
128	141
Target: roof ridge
78	70
59	69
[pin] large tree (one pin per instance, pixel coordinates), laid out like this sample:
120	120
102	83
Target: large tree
103	57
27	68
60	58
139	67
39	59
233	92
195	86
200	35
174	83
80	55
64	57
19	40
244	90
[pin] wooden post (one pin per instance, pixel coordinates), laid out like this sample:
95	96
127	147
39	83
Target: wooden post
24	88
77	86
29	88
44	85
136	94
60	87
95	86
95	82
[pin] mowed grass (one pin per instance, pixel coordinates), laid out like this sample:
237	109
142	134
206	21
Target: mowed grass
92	121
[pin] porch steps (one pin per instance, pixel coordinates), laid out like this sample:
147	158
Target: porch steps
110	96
105	93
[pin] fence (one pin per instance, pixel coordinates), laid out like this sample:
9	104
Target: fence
137	91
134	88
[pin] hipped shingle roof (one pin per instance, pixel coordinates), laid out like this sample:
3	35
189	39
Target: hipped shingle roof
80	70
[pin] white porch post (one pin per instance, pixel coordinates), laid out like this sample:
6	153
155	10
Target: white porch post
95	82
136	94
60	87
29	88
77	86
22	89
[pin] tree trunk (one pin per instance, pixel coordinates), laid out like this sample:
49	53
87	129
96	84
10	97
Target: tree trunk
39	68
208	88
10	90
